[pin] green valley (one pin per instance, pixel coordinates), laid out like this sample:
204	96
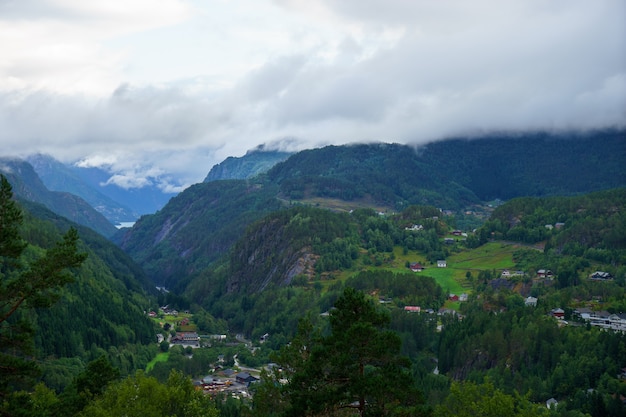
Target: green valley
261	289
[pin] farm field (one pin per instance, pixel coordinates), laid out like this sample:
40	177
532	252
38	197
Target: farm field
447	279
492	255
175	322
160	357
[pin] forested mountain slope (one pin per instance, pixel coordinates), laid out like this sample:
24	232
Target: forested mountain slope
289	243
196	227
59	177
594	221
103	309
202	222
457	172
276	271
254	162
28	186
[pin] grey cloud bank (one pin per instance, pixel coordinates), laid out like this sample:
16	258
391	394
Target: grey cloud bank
375	70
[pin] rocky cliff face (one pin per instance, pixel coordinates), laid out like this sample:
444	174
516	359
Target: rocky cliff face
269	254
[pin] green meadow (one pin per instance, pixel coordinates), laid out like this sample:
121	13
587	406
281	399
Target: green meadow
493	255
160	357
447	279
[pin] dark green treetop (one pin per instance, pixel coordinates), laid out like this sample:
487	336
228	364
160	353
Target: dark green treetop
28	279
356	368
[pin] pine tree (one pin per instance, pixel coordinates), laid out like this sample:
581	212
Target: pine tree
356	368
28	279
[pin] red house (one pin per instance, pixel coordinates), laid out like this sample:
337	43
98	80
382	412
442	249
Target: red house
558	313
416	267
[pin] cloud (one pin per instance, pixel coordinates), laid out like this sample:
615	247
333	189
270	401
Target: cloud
60	45
160	93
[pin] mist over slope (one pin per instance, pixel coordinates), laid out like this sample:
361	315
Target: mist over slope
254	162
28	186
60	177
202	223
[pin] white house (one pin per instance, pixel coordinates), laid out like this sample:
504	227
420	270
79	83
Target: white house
601	276
530	301
552	403
441	264
603	319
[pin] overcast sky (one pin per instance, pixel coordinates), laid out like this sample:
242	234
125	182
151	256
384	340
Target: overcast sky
162	90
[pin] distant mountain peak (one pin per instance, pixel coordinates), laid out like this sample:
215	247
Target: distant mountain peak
256	161
28	185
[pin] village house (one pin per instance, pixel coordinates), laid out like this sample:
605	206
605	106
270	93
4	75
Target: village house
583	313
245	378
415	228
559	313
412	309
186	338
552	403
603	319
168	311
601	276
544	273
530	301
441	264
416	267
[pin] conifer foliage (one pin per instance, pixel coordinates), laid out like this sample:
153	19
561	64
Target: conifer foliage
28	279
357	368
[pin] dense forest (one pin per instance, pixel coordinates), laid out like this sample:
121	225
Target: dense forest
197	228
456	172
63	309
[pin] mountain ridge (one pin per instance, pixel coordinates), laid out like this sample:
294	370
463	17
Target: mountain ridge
254	162
27	185
440	174
57	176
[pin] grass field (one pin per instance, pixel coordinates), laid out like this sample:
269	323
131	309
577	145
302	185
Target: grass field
494	255
160	357
446	278
174	320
